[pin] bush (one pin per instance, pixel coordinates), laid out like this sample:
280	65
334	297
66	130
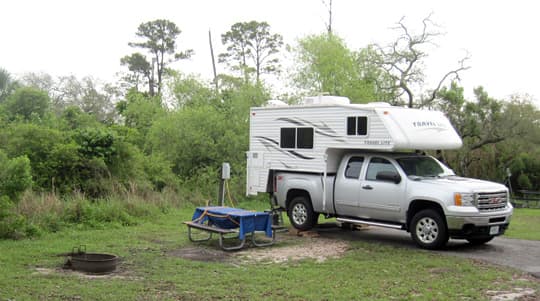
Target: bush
15	176
12	225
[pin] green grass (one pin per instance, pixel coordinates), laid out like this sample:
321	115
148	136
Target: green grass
368	271
525	224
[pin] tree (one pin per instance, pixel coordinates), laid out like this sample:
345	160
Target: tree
140	67
140	111
190	91
326	64
491	130
26	103
40	81
7	84
251	47
403	59
159	39
90	95
329	8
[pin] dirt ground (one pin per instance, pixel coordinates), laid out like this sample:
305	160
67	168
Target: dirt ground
292	247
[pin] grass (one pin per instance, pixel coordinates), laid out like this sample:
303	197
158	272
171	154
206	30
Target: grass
525	224
368	271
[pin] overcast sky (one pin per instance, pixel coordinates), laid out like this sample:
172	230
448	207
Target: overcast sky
63	37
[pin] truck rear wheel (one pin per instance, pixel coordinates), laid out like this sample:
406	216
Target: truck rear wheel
301	213
428	229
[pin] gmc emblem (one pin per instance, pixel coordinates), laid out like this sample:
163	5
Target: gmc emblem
495	200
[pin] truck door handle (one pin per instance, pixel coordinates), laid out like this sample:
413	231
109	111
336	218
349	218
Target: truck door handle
368	187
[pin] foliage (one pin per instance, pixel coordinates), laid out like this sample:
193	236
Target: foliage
159	40
251	48
139	66
39	145
12	225
27	103
189	91
88	94
491	129
190	139
326	64
140	112
15	176
7	84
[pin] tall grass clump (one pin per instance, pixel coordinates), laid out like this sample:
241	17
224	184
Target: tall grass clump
36	213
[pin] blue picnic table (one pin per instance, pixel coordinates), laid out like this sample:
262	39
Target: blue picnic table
231	222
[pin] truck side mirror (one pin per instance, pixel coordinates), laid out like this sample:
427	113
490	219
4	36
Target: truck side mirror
390	176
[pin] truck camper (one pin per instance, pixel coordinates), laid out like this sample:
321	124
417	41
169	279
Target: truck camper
356	162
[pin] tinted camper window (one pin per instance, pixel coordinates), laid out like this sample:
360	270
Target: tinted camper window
296	138
304	138
361	128
288	137
351	125
357	126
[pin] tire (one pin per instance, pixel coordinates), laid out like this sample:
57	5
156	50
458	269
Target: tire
428	229
479	240
301	213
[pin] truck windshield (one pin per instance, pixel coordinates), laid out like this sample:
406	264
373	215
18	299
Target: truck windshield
420	166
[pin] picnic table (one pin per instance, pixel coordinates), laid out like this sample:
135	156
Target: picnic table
230	222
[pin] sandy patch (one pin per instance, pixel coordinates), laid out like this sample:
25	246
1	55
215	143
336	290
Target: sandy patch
319	249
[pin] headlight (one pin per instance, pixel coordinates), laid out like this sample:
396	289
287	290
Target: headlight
463	199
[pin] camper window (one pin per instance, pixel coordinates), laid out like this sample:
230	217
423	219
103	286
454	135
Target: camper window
357	125
288	137
296	138
305	138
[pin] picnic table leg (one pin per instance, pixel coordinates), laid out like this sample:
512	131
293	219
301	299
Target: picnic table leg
264	243
199	239
231	248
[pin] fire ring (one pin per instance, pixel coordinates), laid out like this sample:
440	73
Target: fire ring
97	263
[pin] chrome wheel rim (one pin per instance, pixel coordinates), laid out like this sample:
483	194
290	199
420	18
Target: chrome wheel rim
299	214
427	230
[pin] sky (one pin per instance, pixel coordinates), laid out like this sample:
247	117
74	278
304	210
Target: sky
81	37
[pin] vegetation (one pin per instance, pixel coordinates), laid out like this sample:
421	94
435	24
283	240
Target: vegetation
105	152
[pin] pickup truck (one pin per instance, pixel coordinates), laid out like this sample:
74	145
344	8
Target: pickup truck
407	191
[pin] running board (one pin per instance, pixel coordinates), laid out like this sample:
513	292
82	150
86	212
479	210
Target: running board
367	222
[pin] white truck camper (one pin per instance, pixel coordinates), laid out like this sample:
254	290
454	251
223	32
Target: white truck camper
357	162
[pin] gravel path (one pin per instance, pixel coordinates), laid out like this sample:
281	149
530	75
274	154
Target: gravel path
516	253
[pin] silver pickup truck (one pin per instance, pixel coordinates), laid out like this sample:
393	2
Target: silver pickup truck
407	191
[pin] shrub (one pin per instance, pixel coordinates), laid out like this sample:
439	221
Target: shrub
12	225
15	176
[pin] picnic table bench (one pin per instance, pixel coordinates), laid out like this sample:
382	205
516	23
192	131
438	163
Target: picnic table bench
231	223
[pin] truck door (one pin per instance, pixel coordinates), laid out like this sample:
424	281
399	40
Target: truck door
381	198
346	195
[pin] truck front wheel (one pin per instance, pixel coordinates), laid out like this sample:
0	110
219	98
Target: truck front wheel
301	213
428	229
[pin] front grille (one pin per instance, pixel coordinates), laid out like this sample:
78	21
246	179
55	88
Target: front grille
490	201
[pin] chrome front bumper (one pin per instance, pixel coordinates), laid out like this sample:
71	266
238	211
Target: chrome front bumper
458	222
